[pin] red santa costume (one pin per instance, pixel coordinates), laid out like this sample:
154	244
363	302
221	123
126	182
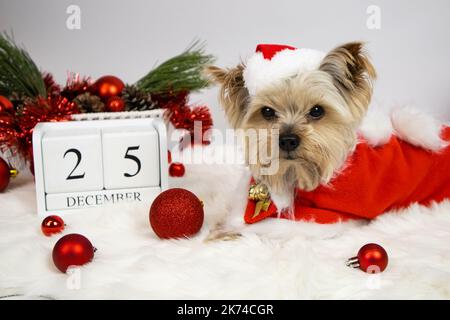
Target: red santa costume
375	179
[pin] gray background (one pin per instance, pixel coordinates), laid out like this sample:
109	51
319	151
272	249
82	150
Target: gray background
126	38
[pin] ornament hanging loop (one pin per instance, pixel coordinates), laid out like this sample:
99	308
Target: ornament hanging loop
13	173
353	262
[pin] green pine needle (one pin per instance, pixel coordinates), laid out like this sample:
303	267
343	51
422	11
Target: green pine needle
180	73
18	73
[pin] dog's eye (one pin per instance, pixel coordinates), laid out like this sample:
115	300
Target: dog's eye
316	112
268	113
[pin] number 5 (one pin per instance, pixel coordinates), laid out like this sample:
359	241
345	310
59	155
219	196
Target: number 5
135	159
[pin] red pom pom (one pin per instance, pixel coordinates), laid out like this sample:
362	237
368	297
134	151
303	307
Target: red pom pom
176	213
108	86
371	258
115	104
72	250
51	225
176	169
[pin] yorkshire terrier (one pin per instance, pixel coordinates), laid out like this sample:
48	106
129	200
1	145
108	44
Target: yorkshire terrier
313	106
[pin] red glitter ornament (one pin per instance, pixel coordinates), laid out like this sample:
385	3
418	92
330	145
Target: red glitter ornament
371	258
51	225
5	105
176	169
5	174
176	213
115	104
108	86
72	250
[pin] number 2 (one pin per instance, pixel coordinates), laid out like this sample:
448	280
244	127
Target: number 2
135	159
78	154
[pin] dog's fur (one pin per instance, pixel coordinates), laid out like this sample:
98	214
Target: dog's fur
342	85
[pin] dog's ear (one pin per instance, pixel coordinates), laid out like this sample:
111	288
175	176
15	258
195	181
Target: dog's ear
233	93
353	74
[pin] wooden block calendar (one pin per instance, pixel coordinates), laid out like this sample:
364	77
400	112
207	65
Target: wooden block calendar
94	163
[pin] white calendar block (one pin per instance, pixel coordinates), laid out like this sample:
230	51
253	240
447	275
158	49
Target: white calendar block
99	162
72	161
131	157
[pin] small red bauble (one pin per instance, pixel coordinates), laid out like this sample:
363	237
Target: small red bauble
5	174
108	86
51	225
176	169
371	258
169	156
176	213
115	104
72	250
5	105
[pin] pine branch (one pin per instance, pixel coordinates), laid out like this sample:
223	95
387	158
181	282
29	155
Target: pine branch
18	72
180	73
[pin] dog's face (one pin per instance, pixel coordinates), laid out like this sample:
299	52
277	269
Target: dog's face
315	115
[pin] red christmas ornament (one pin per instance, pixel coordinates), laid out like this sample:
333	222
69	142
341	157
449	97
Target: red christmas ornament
176	169
51	225
176	213
115	104
108	86
72	250
169	156
5	174
371	258
5	105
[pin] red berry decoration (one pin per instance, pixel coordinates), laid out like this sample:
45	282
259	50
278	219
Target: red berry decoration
5	174
5	105
115	104
72	250
176	169
51	225
176	213
108	86
371	258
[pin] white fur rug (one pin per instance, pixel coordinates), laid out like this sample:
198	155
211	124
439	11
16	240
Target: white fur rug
274	259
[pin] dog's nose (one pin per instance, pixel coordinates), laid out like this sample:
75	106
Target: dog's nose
289	142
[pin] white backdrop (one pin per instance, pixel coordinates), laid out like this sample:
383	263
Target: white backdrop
126	38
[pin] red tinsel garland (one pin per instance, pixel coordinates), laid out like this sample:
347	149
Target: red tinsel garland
16	132
16	129
53	89
182	116
75	86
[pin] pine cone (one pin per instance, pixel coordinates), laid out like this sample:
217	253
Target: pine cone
137	100
88	103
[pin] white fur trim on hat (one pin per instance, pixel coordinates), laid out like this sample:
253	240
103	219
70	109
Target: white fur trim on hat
260	72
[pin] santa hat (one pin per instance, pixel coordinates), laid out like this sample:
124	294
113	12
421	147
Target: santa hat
272	63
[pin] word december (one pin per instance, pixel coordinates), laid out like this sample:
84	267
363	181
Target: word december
100	199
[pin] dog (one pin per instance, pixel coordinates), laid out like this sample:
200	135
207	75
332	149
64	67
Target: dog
332	164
